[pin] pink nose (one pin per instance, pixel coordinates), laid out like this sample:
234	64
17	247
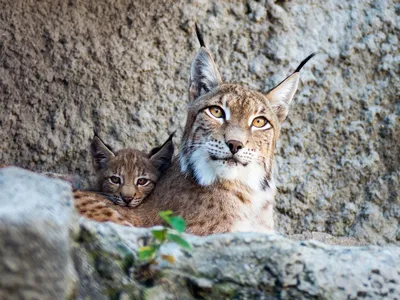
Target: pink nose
127	199
234	146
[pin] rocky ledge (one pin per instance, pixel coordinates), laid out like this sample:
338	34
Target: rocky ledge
47	252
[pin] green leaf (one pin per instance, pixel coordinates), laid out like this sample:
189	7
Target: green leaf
159	234
178	223
179	240
166	213
166	216
147	252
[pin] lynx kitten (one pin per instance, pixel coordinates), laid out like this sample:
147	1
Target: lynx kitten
125	177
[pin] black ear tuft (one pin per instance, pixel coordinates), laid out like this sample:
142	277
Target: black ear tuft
156	149
282	95
204	76
304	62
199	36
95	134
101	153
162	156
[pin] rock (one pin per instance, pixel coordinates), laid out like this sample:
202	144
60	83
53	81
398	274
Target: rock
256	11
242	266
122	68
44	255
73	180
37	227
328	239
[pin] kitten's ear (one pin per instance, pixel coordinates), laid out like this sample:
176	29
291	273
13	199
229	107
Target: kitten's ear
161	156
282	95
101	153
204	76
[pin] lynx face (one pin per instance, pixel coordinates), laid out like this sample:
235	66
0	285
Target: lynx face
232	137
231	130
127	176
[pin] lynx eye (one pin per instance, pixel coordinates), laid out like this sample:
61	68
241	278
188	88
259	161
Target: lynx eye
115	180
143	181
216	112
261	123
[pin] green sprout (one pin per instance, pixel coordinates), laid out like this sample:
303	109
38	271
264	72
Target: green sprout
163	235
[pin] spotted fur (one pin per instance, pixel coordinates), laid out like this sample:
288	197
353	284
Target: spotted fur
96	207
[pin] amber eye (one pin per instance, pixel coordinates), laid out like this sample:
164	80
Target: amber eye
216	112
142	181
115	179
259	122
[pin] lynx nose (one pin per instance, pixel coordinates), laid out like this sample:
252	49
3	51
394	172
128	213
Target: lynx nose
234	146
127	199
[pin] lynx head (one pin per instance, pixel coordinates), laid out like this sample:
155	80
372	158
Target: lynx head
231	130
127	176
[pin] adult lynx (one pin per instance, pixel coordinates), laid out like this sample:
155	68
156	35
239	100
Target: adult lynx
222	180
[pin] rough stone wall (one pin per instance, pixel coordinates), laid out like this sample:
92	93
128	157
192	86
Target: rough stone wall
67	67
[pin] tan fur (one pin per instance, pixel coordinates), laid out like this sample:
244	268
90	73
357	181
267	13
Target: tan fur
206	210
98	208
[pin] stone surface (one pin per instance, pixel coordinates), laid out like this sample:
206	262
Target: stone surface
37	225
44	255
121	67
329	239
241	266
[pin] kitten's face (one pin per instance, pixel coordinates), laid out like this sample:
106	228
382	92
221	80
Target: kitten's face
128	176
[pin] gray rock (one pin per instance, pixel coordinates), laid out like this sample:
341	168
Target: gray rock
242	266
37	226
44	255
328	239
122	68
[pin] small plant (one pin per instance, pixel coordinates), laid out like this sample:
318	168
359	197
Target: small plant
163	235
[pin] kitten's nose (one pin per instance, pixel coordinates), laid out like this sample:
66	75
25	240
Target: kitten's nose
234	146
127	199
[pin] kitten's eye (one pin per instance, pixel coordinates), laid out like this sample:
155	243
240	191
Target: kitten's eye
216	112
143	181
115	179
260	122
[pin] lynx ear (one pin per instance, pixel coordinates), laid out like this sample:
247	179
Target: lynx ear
204	76
101	153
282	95
161	156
